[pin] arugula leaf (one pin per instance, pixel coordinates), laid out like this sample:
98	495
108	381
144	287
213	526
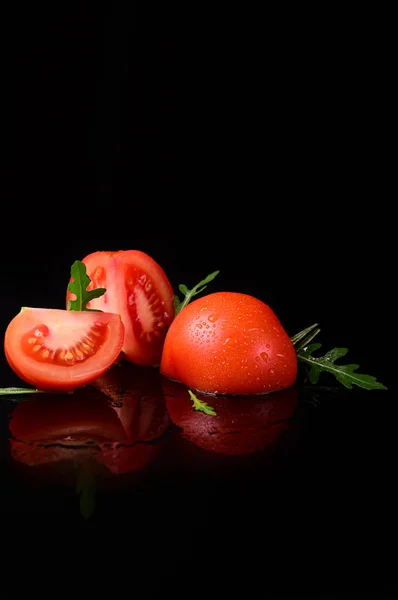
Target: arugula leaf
79	286
345	374
189	294
200	405
14	391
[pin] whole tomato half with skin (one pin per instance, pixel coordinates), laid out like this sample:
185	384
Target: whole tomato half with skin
229	343
137	289
240	426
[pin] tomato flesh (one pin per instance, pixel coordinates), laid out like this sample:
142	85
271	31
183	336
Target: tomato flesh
139	290
229	343
62	350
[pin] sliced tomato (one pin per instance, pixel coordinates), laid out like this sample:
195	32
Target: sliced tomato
139	290
61	350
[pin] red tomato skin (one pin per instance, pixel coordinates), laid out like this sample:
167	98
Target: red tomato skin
138	289
229	343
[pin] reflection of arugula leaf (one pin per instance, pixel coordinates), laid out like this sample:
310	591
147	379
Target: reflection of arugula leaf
86	487
202	406
346	374
79	286
189	294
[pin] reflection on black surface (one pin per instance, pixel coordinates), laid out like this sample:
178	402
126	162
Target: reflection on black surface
243	425
114	428
136	395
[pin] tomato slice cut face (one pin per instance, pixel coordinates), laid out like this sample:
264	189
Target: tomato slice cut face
62	350
139	290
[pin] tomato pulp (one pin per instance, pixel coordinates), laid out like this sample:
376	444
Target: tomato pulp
60	349
138	289
229	343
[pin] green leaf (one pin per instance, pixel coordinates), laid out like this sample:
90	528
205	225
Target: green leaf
189	294
79	286
177	305
201	405
14	391
345	374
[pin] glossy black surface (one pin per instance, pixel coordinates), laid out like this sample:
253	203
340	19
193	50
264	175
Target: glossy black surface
294	491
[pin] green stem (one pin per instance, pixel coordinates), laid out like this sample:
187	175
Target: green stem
307	340
14	391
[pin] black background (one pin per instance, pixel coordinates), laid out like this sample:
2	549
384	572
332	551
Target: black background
254	143
257	144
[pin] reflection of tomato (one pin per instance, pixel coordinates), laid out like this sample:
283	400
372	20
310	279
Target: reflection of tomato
139	290
60	349
136	395
229	343
85	424
243	425
53	428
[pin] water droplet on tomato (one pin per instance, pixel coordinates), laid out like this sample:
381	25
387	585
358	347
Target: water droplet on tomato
268	346
271	371
213	318
264	356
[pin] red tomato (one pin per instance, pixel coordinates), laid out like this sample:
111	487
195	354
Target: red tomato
61	349
229	343
139	290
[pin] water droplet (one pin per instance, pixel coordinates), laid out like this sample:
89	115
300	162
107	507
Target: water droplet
271	371
213	318
264	356
268	346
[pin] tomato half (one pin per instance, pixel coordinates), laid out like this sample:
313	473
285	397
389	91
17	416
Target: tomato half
229	343
139	290
61	349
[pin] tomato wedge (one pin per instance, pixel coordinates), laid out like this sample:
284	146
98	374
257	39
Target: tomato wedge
61	350
140	292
